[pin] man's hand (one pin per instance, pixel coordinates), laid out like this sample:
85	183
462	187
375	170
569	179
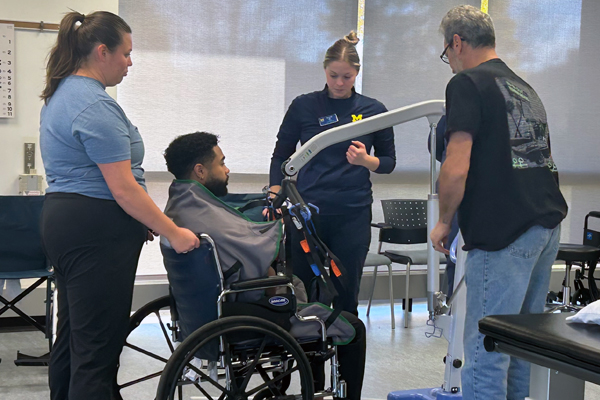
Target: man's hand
439	237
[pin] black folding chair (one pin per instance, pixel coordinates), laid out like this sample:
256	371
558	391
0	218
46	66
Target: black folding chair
22	257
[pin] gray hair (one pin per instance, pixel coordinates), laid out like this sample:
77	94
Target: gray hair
471	24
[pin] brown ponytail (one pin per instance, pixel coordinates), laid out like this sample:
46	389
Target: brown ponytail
344	50
78	34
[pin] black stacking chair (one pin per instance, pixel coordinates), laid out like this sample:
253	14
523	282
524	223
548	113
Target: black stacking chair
586	254
405	223
22	257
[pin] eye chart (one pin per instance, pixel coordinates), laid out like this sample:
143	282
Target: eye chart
7	71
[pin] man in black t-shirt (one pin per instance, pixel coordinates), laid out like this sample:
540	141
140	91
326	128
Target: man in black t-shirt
500	177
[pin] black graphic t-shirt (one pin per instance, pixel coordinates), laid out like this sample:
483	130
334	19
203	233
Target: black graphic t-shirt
512	183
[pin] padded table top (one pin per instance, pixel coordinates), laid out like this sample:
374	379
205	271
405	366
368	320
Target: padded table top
549	336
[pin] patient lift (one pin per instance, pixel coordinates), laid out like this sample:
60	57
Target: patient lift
447	327
446	318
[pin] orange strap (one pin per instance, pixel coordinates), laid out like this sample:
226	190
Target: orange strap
305	247
335	269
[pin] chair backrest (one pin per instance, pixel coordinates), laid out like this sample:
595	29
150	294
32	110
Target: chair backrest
20	236
408	219
590	236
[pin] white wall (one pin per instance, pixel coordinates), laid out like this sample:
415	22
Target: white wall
31	49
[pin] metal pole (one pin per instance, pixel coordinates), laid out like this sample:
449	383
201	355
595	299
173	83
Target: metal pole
433	211
455	355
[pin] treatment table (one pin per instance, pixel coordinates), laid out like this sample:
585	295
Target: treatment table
563	355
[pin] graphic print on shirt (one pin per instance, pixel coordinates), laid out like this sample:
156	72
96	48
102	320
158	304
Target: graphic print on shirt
527	126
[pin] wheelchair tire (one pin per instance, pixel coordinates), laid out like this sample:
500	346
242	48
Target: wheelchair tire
155	355
278	353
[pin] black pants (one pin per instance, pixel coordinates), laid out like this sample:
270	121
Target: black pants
348	237
352	358
94	247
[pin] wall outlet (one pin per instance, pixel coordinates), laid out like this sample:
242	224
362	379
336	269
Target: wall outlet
31	185
29	158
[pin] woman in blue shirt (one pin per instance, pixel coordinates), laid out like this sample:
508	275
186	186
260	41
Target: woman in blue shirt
97	213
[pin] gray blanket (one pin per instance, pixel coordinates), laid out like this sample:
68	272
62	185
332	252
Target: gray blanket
237	238
254	244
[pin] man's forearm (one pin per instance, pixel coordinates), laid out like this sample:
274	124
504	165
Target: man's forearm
453	174
451	192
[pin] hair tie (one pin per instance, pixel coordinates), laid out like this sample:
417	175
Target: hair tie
78	22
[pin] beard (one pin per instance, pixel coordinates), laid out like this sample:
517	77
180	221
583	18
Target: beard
218	188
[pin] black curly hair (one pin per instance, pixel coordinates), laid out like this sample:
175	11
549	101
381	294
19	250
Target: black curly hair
186	151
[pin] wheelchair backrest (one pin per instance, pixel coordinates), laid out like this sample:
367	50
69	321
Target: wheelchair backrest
194	281
591	237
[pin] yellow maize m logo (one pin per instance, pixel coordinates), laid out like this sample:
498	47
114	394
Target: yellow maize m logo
356	117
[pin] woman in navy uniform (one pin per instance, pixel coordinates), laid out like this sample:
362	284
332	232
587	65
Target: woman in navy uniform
337	180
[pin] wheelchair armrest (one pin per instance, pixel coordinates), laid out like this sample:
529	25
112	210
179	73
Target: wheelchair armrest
381	225
272	281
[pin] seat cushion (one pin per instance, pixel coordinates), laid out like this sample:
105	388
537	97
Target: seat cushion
577	252
415	257
375	260
38	273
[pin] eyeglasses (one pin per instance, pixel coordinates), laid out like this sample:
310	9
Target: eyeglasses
444	56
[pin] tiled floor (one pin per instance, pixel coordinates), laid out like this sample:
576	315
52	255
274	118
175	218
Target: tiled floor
397	359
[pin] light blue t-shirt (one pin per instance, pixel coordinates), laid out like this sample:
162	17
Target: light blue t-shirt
82	126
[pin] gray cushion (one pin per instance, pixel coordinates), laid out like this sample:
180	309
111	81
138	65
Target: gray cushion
374	260
418	257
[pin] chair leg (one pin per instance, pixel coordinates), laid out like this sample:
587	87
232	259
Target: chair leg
406	295
392	297
372	289
49	313
11	305
567	286
566	301
54	315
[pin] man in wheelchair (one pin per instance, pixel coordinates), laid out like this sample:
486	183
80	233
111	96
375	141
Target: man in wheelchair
246	250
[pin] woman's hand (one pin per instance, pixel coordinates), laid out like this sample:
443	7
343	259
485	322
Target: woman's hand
183	240
273	191
357	155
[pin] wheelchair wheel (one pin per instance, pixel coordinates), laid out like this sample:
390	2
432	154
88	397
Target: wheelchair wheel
256	358
147	348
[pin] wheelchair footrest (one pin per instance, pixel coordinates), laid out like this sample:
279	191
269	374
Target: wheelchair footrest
31	361
319	356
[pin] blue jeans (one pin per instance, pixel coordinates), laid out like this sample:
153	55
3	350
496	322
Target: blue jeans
513	280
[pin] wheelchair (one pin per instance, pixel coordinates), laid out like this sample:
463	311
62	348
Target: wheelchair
234	349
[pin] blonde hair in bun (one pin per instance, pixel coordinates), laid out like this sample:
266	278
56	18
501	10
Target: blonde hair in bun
352	38
344	50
